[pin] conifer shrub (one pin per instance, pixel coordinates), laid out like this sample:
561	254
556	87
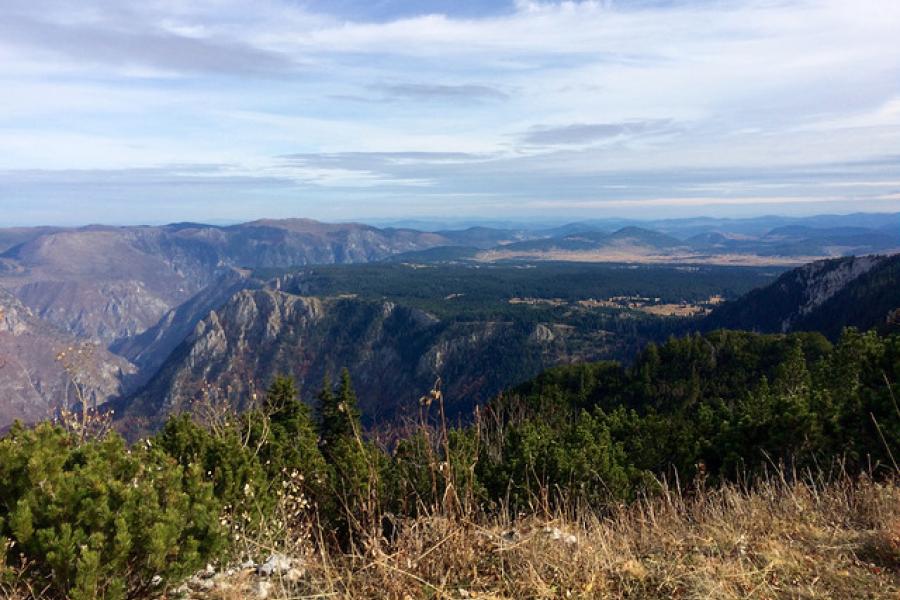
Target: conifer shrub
238	479
285	435
97	519
356	467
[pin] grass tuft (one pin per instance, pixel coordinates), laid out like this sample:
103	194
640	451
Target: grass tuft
839	539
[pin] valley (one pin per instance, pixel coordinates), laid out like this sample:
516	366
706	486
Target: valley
397	327
186	311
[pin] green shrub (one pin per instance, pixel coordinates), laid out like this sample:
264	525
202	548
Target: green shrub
97	519
238	479
251	457
286	438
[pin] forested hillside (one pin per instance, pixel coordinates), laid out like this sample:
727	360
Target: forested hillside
725	405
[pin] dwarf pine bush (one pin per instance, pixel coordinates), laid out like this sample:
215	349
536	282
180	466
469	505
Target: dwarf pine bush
239	482
96	519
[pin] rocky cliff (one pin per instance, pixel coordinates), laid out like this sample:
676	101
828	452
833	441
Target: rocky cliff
40	366
824	296
394	354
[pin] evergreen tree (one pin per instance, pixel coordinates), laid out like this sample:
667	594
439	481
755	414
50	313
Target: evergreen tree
355	466
97	519
327	414
338	413
291	444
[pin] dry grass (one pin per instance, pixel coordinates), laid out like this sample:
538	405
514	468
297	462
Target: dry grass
646	256
834	540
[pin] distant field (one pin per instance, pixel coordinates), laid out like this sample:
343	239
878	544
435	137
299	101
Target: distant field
639	257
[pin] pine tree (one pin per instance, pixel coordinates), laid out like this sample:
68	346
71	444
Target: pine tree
327	414
281	396
292	440
355	465
338	413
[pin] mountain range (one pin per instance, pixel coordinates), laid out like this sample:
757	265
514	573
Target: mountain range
158	312
792	244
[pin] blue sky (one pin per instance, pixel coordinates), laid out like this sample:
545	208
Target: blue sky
224	110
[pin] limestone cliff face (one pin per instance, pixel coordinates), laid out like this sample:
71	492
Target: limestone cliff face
394	354
820	281
149	350
34	357
822	296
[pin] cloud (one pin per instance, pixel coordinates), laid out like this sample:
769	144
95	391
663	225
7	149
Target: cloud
176	175
97	43
398	106
440	92
389	10
376	184
583	133
373	159
410	168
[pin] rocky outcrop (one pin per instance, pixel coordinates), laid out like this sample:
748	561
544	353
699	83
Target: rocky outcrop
820	281
394	354
149	350
823	296
40	367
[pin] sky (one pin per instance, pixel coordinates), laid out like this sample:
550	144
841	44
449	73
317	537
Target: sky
151	111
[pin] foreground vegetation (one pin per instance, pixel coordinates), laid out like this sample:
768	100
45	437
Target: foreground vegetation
804	539
725	465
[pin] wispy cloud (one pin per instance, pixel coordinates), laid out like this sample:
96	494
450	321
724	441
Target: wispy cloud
585	133
381	159
368	108
167	49
440	92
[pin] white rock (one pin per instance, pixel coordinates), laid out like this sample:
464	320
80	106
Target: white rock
277	564
202	584
557	534
263	589
554	533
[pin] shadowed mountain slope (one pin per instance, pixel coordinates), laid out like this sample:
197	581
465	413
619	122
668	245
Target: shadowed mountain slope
824	296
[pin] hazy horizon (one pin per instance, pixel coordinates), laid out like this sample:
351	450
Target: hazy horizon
448	222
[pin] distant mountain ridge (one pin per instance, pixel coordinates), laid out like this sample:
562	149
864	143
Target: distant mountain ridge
785	245
108	283
597	240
